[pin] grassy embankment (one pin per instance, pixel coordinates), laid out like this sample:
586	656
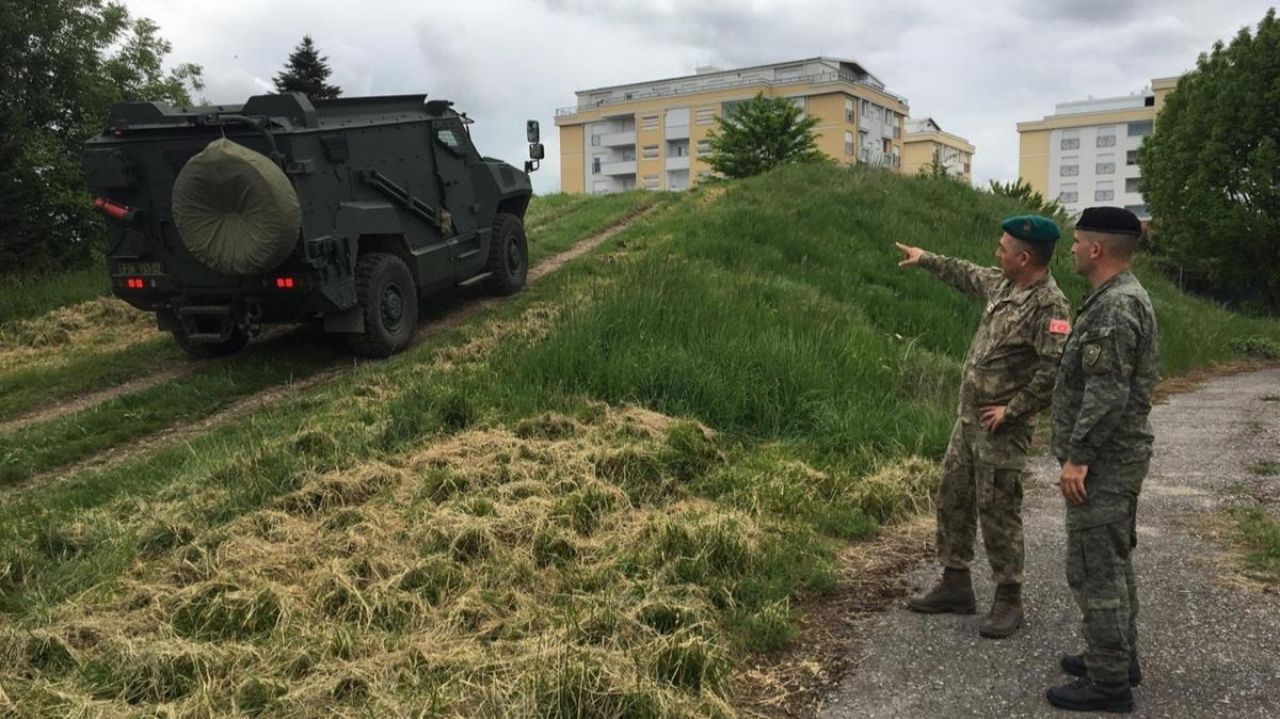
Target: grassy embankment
586	503
104	343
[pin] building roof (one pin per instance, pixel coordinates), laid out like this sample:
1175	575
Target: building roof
924	124
854	65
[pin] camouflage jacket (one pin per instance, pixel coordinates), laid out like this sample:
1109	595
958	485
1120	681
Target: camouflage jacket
1014	354
1110	366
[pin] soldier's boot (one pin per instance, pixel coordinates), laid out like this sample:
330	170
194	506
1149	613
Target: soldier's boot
1073	664
1006	613
1086	695
953	594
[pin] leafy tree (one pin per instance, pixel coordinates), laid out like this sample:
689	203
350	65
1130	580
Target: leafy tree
760	134
1211	168
64	63
306	72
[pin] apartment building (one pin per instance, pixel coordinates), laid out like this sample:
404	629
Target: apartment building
1086	153
654	134
926	140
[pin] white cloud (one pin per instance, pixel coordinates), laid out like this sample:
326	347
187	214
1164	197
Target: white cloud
977	69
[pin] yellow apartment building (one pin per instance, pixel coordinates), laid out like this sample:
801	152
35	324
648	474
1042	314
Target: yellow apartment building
653	134
926	140
1086	153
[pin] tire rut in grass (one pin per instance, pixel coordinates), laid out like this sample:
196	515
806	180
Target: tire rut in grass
97	397
452	318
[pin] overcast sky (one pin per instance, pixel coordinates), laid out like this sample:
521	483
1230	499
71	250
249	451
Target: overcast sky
976	68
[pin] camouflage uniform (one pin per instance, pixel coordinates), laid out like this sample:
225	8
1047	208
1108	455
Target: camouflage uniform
1011	362
1100	408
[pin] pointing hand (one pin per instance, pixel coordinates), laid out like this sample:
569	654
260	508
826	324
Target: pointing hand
910	255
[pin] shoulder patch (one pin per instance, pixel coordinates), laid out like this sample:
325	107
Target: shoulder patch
1059	327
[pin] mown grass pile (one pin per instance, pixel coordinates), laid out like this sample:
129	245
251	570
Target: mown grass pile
592	503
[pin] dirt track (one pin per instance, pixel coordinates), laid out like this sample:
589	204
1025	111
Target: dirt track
454	317
1209	639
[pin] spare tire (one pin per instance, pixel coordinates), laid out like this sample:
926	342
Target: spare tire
235	209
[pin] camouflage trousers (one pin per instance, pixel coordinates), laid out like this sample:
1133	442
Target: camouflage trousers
982	478
1101	536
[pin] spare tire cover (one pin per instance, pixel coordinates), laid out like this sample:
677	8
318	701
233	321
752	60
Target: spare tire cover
236	211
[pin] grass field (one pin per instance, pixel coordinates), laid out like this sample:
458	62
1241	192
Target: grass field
596	500
23	296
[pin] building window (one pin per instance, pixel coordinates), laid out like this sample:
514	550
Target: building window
848	143
1133	184
705	117
1068	197
867	109
1140	129
1139	210
595	141
1131	157
966	168
1106	140
650	182
649	152
595	166
1069	171
649	122
888	116
849	112
1069	143
1104	195
1105	168
704	146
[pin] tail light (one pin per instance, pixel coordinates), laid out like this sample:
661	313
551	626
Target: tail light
287	283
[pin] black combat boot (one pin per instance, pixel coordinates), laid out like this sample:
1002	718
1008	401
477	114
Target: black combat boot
1073	664
953	594
1006	613
1086	695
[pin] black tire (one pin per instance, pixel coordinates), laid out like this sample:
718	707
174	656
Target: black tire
212	350
508	263
389	300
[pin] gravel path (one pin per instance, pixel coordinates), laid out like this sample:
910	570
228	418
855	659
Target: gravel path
1210	644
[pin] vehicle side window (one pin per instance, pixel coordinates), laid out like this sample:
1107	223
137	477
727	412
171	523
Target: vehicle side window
453	137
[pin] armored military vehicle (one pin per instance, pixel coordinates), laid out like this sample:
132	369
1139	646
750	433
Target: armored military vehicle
338	213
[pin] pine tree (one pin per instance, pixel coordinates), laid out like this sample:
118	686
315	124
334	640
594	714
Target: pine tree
760	134
306	72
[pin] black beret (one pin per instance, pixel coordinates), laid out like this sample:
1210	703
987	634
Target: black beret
1111	220
1031	228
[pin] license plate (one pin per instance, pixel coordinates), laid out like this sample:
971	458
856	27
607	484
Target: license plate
139	268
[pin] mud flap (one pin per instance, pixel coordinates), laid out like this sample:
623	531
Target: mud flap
349	321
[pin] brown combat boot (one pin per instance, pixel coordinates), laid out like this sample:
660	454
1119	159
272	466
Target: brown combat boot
953	594
1006	613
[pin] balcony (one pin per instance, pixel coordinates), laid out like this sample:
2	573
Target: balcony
618	139
676	132
678	163
623	167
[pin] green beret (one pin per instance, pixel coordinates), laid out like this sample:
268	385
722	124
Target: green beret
1032	228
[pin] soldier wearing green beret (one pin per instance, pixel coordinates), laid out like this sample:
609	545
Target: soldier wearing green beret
1007	379
1103	439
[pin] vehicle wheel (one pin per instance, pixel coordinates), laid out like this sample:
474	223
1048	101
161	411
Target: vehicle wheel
389	301
210	350
508	255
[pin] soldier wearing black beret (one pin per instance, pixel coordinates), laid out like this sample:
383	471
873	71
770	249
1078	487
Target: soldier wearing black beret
1102	438
1007	379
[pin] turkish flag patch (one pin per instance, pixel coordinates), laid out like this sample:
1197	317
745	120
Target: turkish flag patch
1059	327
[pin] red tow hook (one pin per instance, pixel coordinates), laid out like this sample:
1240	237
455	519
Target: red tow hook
114	210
